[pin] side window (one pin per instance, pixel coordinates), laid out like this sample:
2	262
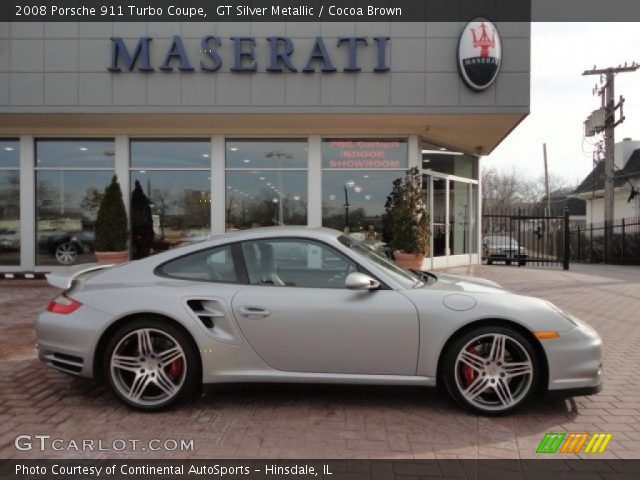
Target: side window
296	263
214	265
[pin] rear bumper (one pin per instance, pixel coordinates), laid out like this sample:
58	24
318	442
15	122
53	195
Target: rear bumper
67	342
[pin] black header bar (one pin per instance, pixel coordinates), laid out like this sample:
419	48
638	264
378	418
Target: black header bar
263	10
318	10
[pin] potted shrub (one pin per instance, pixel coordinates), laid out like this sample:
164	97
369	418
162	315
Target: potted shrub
407	220
111	226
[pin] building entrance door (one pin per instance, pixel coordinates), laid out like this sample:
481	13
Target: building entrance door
452	210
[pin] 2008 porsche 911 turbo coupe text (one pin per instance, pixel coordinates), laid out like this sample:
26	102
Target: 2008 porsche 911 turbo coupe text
308	305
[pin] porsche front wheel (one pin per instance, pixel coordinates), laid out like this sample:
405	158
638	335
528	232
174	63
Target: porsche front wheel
491	370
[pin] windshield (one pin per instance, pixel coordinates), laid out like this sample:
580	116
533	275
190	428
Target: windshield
404	277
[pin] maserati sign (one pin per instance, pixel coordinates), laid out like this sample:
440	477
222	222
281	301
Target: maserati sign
479	54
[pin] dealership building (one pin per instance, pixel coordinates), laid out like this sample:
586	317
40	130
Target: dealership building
225	126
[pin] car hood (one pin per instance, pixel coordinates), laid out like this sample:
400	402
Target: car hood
462	283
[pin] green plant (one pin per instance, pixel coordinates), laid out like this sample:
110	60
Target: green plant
111	224
407	219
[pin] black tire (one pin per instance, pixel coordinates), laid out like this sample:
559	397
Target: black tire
489	262
508	262
191	378
450	375
522	263
66	253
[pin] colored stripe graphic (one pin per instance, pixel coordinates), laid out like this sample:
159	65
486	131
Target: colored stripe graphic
574	442
560	442
598	443
550	442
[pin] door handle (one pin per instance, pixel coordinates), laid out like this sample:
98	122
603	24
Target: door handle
253	312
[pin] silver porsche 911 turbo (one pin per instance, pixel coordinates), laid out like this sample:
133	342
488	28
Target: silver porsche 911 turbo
308	305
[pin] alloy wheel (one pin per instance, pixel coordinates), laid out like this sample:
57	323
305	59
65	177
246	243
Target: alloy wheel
66	253
493	372
148	367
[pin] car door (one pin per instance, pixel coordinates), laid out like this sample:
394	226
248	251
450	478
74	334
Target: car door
298	316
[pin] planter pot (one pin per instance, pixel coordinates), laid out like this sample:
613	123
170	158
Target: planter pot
409	260
112	258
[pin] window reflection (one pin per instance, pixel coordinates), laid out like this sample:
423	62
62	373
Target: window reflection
168	208
170	193
356	199
67	203
266	153
9	153
263	198
9	217
82	153
458	217
266	183
171	153
71	175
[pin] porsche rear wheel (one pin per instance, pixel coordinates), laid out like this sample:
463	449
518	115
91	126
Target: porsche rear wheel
491	370
151	365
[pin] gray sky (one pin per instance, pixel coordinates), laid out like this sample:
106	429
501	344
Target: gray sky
561	97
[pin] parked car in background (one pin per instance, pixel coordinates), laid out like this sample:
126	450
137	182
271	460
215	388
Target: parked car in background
9	240
65	246
503	249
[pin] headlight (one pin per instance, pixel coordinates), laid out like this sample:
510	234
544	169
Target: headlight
568	317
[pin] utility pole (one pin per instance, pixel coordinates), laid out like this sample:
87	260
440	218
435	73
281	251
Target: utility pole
546	179
607	91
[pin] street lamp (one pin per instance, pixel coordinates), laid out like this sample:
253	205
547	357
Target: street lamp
349	184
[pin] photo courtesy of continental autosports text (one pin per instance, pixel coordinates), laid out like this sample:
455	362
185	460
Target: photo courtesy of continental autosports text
319	239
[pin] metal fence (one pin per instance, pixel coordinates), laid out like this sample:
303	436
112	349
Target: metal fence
540	239
588	243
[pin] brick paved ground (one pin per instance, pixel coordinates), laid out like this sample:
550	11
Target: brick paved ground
339	422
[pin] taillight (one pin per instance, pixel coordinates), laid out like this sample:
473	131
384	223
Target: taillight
63	305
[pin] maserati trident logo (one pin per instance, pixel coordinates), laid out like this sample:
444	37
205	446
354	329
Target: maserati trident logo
479	54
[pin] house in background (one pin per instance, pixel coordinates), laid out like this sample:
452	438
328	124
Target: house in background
562	199
627	178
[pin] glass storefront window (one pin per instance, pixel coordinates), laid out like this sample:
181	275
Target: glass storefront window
266	183
357	178
9	202
266	198
71	176
168	209
356	199
86	153
171	196
458	217
67	203
474	218
171	153
442	160
9	153
267	153
439	216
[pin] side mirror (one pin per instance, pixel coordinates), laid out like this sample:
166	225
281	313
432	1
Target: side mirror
361	281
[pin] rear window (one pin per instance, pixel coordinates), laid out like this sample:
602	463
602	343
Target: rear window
213	265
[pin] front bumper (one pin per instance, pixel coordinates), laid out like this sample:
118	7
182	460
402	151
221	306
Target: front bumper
67	342
575	361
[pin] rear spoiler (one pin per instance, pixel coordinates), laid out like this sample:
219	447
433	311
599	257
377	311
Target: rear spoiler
64	279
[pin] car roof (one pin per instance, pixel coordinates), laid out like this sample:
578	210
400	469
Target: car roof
284	231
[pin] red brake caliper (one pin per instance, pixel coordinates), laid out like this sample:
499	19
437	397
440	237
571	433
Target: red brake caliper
469	373
175	368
